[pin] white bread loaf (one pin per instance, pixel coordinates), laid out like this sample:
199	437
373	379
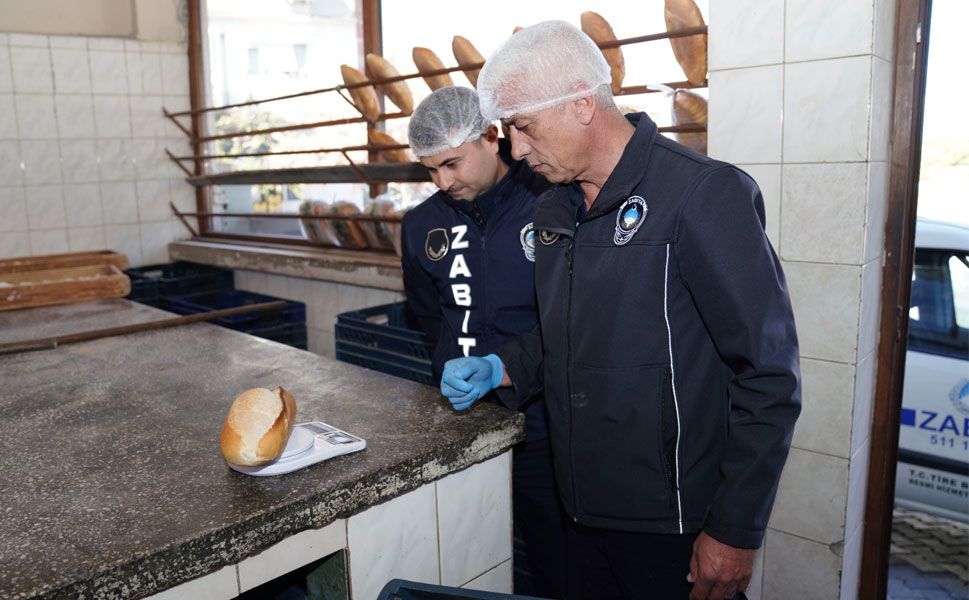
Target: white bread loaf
379	138
600	31
257	427
690	108
426	61
379	68
691	51
466	54
364	98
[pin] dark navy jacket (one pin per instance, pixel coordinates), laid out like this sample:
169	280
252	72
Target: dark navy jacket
667	351
469	271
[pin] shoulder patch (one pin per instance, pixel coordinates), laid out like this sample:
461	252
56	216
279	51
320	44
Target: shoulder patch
437	244
629	218
527	238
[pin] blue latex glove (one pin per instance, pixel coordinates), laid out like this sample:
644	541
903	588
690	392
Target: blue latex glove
465	380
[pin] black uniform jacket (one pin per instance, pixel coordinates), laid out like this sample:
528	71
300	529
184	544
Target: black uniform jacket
469	271
667	347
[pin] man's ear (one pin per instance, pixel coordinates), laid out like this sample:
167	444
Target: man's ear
584	108
490	135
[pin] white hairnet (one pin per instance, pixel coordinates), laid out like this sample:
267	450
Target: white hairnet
544	65
447	118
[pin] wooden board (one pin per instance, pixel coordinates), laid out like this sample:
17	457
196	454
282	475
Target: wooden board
63	261
62	286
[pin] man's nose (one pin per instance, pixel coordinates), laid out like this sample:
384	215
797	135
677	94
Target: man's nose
519	147
444	180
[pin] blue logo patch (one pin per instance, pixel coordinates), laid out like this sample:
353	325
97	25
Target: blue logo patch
629	219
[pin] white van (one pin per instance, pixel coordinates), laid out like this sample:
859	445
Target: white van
933	446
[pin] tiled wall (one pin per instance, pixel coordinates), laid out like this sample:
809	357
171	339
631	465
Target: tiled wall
324	301
800	97
82	145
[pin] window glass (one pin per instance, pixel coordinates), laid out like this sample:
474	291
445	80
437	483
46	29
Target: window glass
940	304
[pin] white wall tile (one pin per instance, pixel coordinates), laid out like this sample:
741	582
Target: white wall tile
220	585
151	74
277	285
11	169
474	519
48	241
111	116
827	28
13	208
851	567
172	48
826	104
35	116
6	74
72	74
125	239
768	178
75	116
397	538
174	68
108	72
29	40
857	490
756	587
155	238
496	580
115	160
69	42
120	202
826	300
133	46
878	180
82	203
182	195
293	552
148	157
42	161
133	71
884	31
31	70
864	394
812	496
14	244
79	160
85	238
824	213
45	207
147	118
8	117
825	421
879	143
746	33
871	283
748	100
106	43
799	568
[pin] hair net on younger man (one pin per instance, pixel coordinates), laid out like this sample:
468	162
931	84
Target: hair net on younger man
544	65
447	118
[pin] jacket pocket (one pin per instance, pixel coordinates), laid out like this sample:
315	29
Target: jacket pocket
617	442
670	434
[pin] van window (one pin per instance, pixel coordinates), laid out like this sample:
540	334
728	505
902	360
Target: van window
939	314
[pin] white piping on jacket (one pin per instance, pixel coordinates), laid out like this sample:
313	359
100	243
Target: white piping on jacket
676	405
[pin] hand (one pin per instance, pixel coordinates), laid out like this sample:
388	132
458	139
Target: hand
465	380
717	570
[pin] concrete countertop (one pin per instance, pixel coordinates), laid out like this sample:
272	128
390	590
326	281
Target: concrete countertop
113	484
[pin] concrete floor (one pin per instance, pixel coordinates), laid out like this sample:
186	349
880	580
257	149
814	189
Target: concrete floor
929	558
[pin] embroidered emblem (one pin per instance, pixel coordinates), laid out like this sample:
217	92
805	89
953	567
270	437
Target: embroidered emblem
547	237
437	244
630	217
959	396
527	237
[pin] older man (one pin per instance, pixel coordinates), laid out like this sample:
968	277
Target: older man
667	347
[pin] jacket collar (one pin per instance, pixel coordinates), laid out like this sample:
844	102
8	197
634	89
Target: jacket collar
485	203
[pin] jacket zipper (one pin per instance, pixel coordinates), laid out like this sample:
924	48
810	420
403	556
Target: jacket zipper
570	253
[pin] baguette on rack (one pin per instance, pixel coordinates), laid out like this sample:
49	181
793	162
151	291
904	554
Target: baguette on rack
466	54
426	60
690	51
689	108
257	427
379	138
600	31
380	68
364	97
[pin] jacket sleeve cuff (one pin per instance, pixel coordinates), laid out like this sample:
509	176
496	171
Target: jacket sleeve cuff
732	535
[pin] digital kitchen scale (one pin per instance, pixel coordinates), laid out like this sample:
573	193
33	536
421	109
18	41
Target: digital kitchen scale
309	443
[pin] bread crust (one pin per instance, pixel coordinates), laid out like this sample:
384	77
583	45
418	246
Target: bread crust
690	51
426	60
689	107
380	138
466	54
257	427
364	98
380	68
597	28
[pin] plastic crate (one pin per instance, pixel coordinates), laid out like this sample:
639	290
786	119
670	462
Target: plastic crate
291	334
157	284
291	313
399	589
380	338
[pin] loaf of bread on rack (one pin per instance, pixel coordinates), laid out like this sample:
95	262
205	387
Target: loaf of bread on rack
257	427
690	51
601	32
466	54
381	234
399	93
315	229
379	138
348	233
426	61
364	97
690	108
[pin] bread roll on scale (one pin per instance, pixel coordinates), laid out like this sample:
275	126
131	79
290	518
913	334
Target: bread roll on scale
364	97
466	54
426	61
600	31
690	51
257	426
379	68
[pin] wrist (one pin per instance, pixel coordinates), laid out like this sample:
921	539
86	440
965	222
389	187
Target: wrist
497	370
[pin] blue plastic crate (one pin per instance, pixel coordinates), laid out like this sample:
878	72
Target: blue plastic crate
291	334
399	589
292	313
156	284
380	338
